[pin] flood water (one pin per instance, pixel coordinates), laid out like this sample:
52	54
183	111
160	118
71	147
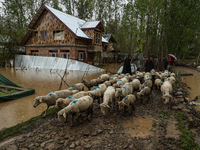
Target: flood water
194	83
44	82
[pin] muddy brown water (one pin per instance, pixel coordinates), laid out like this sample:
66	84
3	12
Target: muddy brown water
44	82
194	83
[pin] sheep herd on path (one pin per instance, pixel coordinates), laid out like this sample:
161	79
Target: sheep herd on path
117	92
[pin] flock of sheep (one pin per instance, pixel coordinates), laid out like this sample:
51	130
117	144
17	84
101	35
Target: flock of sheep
110	90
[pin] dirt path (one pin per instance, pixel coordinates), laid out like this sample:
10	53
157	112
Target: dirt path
151	126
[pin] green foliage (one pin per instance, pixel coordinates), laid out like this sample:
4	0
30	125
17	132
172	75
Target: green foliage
7	92
24	125
187	141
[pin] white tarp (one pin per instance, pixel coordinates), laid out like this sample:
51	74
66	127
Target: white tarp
41	62
133	68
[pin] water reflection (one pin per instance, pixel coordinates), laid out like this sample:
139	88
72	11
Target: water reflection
43	81
194	83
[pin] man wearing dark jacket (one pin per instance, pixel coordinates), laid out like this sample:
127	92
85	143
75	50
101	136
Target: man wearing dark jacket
127	65
148	65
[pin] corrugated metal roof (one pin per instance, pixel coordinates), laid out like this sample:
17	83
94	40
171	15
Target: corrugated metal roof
91	24
73	23
104	40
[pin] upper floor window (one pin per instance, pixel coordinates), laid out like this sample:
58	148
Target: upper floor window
65	54
43	35
35	34
58	35
53	53
97	39
34	52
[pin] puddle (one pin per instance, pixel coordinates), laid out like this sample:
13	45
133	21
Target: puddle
139	127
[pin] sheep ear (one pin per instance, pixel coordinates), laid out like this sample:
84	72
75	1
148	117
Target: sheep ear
40	99
64	115
107	106
125	104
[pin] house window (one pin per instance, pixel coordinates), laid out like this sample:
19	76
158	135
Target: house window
35	34
97	39
58	35
53	53
81	55
43	35
65	54
34	52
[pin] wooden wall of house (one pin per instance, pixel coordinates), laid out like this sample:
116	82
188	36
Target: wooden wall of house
49	23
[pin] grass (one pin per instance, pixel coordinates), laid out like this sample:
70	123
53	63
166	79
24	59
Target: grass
24	125
7	92
186	138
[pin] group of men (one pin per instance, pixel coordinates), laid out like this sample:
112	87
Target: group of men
148	63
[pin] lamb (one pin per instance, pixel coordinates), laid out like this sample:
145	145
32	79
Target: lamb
50	99
173	74
120	82
166	90
145	92
124	91
78	86
64	102
76	107
108	98
135	84
128	101
89	84
158	83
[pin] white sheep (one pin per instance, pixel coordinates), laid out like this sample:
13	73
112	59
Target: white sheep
63	102
171	79
147	76
98	92
135	84
113	80
127	101
120	82
76	107
78	86
147	83
158	83
144	93
166	90
104	77
107	83
108	98
124	91
89	84
50	99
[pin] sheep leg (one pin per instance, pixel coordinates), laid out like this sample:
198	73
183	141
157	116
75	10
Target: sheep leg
45	111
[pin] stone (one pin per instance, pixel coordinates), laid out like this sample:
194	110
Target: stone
111	132
50	146
87	146
72	145
186	110
12	147
179	93
131	146
43	144
71	138
99	131
77	143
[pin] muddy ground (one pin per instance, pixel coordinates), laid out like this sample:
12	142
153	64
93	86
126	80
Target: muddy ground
152	125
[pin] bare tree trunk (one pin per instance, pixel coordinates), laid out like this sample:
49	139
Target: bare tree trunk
198	58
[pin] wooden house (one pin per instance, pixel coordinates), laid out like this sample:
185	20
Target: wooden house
57	34
109	53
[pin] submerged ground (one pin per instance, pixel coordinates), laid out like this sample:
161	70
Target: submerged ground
152	125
